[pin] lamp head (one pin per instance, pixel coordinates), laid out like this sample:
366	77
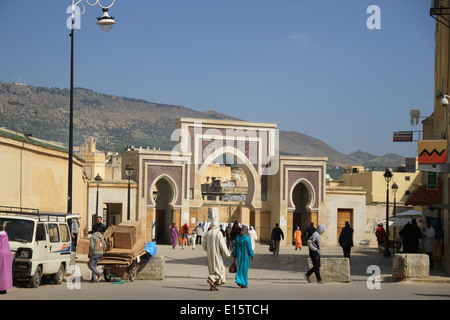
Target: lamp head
394	188
98	179
387	175
105	21
129	168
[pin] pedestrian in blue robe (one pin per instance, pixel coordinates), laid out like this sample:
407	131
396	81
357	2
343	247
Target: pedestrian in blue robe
243	252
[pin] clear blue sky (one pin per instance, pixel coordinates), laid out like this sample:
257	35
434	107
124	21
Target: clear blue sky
310	66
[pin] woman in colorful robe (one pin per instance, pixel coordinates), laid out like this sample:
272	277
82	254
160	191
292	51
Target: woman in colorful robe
298	238
243	252
173	235
6	279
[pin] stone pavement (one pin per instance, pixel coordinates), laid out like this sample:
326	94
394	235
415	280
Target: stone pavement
289	265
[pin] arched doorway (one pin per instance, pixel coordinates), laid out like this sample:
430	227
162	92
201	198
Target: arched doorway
228	184
163	196
230	156
302	197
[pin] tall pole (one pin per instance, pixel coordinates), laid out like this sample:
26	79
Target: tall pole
128	205
105	22
395	211
387	252
96	203
129	171
69	196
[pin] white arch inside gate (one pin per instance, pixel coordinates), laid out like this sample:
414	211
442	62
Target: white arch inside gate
309	188
172	185
254	187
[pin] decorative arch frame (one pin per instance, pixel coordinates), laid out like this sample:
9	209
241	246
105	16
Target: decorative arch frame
311	192
172	184
249	169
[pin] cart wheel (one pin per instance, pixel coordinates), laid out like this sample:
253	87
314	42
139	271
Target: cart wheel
132	271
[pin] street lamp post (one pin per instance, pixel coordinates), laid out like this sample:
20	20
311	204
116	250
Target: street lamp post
387	177
394	188
129	168
105	22
98	179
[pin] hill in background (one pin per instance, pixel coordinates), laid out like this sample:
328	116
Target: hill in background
120	121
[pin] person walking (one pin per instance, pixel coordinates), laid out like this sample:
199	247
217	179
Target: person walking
235	230
243	252
228	235
221	230
97	247
75	227
428	242
193	238
199	232
276	236
6	263
185	233
253	237
173	235
410	236
346	239
100	226
309	231
380	233
298	238
415	236
314	244
215	247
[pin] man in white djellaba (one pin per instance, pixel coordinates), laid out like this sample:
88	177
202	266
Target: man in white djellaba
215	247
253	236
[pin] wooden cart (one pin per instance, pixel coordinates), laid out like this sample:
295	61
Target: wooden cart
124	248
120	271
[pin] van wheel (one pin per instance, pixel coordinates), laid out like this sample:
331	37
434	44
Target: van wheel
59	276
35	280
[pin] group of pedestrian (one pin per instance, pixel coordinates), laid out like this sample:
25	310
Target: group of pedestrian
237	242
242	250
411	235
187	238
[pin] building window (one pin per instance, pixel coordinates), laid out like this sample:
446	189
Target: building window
407	178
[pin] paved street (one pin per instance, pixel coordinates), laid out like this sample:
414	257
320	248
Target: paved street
271	277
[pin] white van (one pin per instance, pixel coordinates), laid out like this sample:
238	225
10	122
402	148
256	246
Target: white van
40	243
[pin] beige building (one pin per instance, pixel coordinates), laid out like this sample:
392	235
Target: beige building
344	203
258	187
374	183
34	175
111	191
435	165
181	186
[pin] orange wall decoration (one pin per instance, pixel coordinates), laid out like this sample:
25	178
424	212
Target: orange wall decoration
432	151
